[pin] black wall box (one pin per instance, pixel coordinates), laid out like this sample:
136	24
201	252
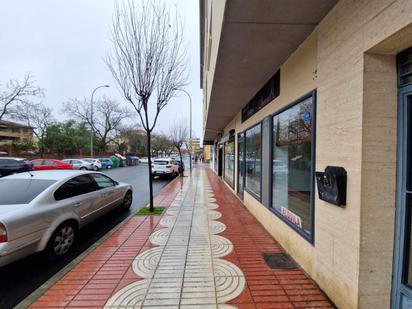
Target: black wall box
332	185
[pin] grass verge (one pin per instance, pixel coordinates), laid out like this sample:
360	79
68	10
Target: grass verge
146	211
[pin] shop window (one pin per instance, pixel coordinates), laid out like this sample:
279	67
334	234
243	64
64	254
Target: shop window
292	165
253	164
230	162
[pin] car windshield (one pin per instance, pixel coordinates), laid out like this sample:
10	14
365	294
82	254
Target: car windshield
21	191
158	162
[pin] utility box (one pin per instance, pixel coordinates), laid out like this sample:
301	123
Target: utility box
332	185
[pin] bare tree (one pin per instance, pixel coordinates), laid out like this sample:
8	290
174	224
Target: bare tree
161	144
107	117
17	92
37	116
148	60
179	135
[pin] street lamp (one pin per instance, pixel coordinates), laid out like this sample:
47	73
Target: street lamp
91	118
190	129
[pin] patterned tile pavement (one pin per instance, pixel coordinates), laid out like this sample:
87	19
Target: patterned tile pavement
205	252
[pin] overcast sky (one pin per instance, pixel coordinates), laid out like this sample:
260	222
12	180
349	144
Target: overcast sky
64	43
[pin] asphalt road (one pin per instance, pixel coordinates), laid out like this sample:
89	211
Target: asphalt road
21	278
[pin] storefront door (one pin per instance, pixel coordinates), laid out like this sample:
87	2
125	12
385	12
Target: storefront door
402	277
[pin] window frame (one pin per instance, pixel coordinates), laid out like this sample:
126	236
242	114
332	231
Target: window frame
309	237
238	179
92	175
233	140
73	196
253	194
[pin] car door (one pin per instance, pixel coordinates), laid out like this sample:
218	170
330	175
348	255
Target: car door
3	166
175	166
109	195
49	165
37	164
79	194
76	164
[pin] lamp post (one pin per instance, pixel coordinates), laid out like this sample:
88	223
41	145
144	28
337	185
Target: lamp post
91	118
190	128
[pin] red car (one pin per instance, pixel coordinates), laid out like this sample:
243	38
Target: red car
50	164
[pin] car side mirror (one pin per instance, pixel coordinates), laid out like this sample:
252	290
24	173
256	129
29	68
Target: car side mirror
116	183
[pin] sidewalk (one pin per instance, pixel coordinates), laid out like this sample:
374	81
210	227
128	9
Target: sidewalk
204	252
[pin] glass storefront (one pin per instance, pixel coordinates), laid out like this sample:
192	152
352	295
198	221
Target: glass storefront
253	162
292	165
230	162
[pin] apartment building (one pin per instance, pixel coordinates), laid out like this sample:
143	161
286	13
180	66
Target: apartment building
307	107
12	132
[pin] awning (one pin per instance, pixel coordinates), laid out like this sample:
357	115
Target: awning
257	37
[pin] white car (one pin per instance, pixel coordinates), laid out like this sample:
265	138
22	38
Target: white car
165	167
43	210
79	164
144	160
96	164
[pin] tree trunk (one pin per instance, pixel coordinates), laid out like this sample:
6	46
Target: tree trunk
181	159
149	161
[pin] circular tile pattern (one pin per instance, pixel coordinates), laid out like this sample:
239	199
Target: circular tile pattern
216	227
160	237
130	296
145	263
214	215
189	247
168	221
220	246
228	288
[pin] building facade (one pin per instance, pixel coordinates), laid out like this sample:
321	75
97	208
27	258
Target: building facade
292	87
11	132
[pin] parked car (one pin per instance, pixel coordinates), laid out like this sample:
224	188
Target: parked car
79	164
181	166
45	210
165	167
96	164
106	163
50	164
10	166
144	160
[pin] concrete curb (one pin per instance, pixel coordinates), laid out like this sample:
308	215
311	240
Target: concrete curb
29	300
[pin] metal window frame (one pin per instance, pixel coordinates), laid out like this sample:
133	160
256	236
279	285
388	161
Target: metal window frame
255	196
400	289
232	185
309	237
240	194
398	67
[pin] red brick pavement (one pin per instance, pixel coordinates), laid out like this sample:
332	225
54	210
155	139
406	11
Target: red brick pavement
108	268
266	288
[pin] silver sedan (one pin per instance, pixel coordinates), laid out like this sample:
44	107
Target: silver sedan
44	210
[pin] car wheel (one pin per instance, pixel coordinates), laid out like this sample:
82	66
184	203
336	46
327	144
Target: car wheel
109	167
95	168
62	241
83	168
127	200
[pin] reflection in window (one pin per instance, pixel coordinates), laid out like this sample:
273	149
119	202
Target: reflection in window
292	164
253	160
230	162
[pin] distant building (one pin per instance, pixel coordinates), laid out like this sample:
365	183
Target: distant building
12	132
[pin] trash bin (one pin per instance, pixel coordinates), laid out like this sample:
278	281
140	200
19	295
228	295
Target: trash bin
115	160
